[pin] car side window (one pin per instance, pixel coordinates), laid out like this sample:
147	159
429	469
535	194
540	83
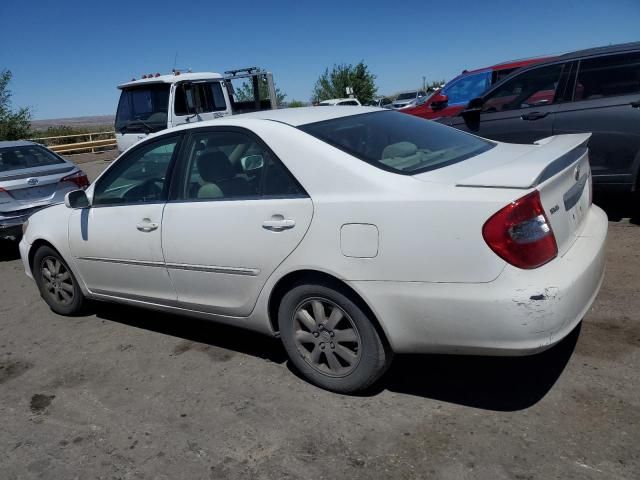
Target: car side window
223	165
533	88
467	88
608	76
140	176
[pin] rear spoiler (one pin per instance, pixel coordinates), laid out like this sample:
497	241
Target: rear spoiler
552	155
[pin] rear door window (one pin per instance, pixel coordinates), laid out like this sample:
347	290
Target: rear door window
534	88
608	76
227	165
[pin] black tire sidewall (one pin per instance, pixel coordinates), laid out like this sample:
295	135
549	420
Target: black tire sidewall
75	307
374	358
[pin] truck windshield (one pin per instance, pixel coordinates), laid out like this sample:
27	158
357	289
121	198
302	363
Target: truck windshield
143	108
398	142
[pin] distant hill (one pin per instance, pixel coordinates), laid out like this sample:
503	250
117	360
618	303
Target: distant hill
76	122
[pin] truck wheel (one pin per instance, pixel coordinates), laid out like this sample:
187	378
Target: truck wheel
57	284
330	340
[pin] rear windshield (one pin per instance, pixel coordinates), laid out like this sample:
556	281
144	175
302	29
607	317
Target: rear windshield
143	108
398	142
30	156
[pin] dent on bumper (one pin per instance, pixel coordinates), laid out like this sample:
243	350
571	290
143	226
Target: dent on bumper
519	313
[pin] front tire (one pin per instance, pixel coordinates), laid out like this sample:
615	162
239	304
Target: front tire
57	284
330	339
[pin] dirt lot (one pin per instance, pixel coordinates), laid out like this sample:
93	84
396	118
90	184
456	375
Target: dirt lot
131	394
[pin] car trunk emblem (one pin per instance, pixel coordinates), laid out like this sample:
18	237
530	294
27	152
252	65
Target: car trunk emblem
33	181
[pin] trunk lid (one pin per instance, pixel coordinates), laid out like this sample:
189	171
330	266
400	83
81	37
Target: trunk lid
26	186
558	167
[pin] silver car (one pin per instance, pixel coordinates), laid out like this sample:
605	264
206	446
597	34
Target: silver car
31	178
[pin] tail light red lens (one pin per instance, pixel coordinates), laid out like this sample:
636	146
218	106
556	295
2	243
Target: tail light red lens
79	178
521	234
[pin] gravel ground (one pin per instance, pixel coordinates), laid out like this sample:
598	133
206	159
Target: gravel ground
133	394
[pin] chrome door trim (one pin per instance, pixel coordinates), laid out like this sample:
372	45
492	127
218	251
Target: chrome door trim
253	272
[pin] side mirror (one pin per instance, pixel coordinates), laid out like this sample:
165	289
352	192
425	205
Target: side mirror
439	102
76	199
252	162
474	107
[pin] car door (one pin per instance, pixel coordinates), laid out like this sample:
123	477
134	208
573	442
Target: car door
520	110
117	242
235	214
606	102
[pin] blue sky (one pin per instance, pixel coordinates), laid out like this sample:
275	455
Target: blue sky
67	57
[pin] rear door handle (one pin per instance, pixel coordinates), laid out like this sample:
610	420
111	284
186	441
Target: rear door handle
533	115
147	225
635	104
278	225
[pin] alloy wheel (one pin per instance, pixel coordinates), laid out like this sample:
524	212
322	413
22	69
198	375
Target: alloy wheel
326	337
57	280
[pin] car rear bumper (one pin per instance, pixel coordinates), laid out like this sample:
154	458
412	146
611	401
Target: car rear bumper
521	312
12	226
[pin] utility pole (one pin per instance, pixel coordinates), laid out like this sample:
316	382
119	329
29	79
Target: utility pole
424	82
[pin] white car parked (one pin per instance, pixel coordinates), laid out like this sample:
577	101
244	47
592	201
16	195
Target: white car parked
351	233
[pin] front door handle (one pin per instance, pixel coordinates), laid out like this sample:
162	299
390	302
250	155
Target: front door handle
147	225
534	115
635	104
278	223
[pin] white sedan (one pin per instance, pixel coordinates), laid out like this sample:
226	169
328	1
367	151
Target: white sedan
351	233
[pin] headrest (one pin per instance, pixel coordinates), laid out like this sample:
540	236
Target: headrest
400	149
215	166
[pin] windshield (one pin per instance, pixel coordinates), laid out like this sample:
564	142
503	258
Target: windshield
466	88
407	96
29	156
143	108
398	142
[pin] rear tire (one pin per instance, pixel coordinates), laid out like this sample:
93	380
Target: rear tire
330	339
57	284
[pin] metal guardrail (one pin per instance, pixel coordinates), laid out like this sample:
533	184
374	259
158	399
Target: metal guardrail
77	147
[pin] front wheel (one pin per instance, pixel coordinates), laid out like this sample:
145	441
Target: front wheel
330	339
57	284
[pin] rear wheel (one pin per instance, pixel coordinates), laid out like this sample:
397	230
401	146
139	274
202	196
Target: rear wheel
330	339
57	284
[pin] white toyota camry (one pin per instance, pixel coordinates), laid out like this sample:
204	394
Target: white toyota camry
351	233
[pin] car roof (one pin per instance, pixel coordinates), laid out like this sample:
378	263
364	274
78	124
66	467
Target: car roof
16	143
294	117
618	48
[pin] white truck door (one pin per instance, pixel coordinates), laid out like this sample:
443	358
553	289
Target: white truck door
197	101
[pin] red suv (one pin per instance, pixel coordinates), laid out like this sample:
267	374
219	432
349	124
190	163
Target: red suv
456	94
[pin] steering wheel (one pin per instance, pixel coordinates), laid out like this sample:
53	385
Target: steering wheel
151	188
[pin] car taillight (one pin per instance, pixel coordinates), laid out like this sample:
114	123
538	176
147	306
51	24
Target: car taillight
521	234
79	178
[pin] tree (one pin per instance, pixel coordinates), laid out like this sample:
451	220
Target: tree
244	93
296	104
14	125
334	83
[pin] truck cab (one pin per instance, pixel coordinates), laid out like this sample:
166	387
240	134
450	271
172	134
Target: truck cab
155	102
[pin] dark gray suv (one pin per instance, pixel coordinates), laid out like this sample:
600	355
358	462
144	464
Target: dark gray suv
595	90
